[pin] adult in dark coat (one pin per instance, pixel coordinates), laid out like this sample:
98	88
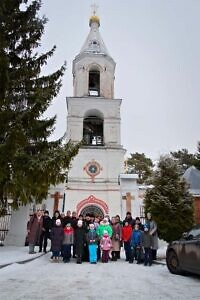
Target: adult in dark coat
138	222
56	215
129	219
57	233
86	226
45	235
79	241
67	219
34	229
74	221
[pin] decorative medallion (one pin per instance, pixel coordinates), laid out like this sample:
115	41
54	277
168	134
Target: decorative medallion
92	168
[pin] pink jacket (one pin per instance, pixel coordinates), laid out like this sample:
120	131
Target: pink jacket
106	243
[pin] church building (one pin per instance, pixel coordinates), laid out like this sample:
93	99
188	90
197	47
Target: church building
94	118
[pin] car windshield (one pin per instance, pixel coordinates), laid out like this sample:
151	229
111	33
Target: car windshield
195	232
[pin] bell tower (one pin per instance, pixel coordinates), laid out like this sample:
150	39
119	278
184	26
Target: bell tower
94	118
94	77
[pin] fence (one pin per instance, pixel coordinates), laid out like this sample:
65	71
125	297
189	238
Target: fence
4	226
142	214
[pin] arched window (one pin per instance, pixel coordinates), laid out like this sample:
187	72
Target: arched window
93	130
92	209
94	82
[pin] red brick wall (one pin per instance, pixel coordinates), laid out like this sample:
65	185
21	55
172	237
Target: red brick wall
197	209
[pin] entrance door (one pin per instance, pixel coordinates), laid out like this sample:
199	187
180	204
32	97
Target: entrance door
92	209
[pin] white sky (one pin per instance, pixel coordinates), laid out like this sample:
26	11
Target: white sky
156	46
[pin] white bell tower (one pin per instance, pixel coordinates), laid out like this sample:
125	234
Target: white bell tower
94	118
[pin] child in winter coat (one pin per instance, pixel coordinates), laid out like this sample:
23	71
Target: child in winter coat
104	225
56	240
92	240
68	240
135	243
147	244
105	245
126	235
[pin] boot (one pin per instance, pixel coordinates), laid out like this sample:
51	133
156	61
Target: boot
79	260
118	254
31	249
114	257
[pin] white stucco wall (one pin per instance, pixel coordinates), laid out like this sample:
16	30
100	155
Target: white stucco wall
18	227
81	66
110	110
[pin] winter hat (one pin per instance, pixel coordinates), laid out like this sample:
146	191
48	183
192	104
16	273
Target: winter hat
80	223
105	219
58	222
91	225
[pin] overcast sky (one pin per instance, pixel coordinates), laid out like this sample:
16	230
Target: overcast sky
156	46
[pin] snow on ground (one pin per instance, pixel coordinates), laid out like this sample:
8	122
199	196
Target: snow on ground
11	254
41	279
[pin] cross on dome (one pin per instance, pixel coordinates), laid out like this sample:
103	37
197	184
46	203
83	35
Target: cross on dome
94	18
94	7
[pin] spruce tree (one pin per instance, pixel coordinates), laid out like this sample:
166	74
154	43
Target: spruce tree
139	164
197	162
185	159
169	201
29	162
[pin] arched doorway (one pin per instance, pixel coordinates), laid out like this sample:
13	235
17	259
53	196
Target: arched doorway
92	209
92	204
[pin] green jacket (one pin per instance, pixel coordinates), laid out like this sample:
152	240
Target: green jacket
102	227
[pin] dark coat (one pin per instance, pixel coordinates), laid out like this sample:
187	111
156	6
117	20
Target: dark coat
35	226
92	236
74	222
130	221
53	220
147	240
47	223
67	220
79	240
56	238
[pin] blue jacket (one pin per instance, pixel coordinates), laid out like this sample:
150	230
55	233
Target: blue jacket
136	238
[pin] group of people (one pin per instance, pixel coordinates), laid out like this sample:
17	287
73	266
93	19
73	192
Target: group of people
92	238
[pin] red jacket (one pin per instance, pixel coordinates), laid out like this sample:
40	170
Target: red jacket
126	233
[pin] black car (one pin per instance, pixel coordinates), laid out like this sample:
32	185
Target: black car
184	255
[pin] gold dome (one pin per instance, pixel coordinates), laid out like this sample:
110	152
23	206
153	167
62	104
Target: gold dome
94	19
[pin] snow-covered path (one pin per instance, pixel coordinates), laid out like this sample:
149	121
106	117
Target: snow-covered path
42	279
